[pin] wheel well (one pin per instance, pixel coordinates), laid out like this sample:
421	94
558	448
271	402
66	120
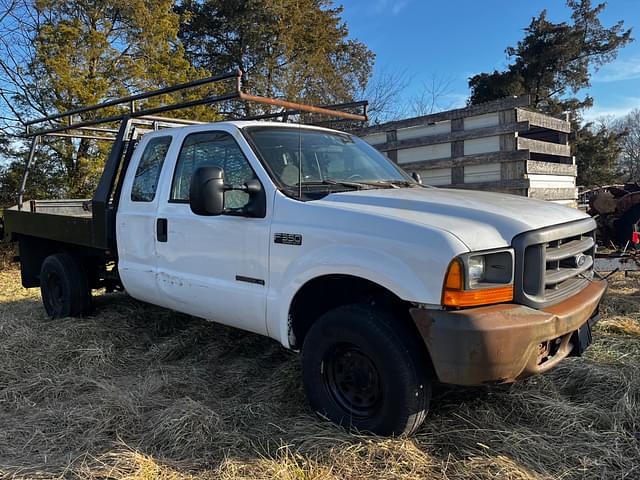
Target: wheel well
33	251
325	293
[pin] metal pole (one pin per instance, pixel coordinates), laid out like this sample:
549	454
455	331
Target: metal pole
301	107
140	96
25	174
140	113
87	137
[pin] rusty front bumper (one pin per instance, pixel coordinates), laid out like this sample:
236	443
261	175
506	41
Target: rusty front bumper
501	343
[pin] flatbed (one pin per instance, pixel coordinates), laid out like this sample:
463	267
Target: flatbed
58	220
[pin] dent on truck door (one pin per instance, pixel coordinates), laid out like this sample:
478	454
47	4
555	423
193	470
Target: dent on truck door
213	267
135	225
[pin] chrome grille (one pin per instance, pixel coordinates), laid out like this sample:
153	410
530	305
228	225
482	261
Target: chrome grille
554	263
569	265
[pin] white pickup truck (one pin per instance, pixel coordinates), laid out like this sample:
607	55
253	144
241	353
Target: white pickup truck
313	238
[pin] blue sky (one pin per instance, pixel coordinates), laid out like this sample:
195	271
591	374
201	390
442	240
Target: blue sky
455	39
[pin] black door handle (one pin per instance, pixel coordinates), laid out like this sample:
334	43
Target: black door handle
161	229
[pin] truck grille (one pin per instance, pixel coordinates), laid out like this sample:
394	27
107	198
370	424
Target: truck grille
554	263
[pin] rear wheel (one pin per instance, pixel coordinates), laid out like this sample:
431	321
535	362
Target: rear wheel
64	286
365	370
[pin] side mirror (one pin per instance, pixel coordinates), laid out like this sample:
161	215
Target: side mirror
258	200
416	176
206	193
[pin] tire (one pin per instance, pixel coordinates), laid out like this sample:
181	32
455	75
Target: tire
64	287
624	226
366	371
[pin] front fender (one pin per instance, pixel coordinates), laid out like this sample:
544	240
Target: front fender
410	277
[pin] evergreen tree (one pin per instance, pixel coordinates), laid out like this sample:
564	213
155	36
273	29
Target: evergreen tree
298	49
554	61
70	53
61	54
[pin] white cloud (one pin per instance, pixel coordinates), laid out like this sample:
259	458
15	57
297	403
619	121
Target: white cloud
608	111
390	6
618	71
399	6
457	100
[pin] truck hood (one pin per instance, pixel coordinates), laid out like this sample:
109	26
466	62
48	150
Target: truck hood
481	220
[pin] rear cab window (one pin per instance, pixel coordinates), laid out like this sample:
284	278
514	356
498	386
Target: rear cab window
145	182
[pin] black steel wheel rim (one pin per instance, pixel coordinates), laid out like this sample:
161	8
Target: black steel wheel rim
352	380
55	292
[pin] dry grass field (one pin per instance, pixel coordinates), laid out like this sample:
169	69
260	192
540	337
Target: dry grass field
137	392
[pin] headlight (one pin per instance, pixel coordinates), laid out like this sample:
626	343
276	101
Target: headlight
475	267
479	278
488	268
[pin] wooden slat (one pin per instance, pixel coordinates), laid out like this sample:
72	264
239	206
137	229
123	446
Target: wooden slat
553	193
453	136
545	121
508	142
507	116
512	170
493	157
502	184
551	168
547	148
488	107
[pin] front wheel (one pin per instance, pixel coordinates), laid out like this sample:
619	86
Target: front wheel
64	286
365	370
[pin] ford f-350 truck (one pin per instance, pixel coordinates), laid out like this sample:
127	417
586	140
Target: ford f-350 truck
310	236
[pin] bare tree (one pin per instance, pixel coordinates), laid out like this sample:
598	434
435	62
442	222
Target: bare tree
384	94
629	160
433	96
18	21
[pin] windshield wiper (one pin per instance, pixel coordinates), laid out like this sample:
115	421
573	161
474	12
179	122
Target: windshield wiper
382	184
344	183
393	183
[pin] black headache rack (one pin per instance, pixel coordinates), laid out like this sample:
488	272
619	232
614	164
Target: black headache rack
91	223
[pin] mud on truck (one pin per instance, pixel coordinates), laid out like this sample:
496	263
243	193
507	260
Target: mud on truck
310	236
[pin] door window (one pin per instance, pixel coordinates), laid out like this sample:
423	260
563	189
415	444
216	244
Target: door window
217	149
145	182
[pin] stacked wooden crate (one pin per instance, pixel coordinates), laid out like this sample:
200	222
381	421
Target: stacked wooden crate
498	146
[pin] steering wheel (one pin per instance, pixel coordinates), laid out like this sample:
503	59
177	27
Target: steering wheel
354	176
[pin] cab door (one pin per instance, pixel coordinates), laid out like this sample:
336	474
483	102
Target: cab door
136	217
213	267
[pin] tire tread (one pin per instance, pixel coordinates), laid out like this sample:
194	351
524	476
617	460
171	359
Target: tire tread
71	271
370	322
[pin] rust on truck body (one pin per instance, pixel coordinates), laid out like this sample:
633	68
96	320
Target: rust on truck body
505	342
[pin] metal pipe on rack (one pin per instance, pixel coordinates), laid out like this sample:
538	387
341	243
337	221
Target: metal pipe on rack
25	174
300	106
138	114
86	137
139	96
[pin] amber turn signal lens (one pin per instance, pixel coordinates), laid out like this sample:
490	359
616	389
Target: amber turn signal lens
473	298
454	294
454	279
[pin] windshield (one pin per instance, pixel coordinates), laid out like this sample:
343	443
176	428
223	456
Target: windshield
323	158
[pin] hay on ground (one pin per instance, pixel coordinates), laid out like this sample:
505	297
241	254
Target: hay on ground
138	392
